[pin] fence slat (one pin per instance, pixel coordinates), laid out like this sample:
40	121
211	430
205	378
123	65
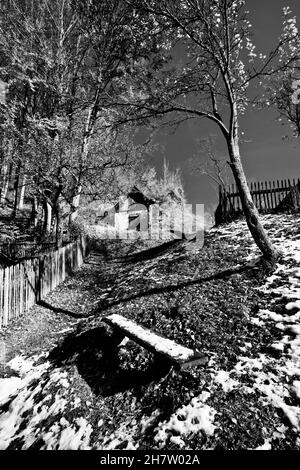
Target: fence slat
23	284
266	195
1	295
6	296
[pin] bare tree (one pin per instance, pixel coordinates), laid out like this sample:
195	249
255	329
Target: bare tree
65	62
282	88
210	165
212	79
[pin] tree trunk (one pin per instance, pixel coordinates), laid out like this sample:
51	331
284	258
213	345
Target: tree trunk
56	230
16	190
251	213
84	153
21	192
57	225
35	212
88	131
75	205
4	183
19	189
47	217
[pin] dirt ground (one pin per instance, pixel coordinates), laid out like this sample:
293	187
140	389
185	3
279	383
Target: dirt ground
208	298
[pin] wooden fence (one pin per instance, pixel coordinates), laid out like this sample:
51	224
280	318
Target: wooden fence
24	284
268	196
15	250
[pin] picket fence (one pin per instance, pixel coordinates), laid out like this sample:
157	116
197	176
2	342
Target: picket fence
268	196
24	284
15	250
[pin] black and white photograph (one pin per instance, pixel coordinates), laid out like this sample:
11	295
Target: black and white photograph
150	230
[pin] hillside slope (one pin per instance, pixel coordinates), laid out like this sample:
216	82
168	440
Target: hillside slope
219	299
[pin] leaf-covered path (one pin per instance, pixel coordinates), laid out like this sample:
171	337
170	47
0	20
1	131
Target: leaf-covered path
60	390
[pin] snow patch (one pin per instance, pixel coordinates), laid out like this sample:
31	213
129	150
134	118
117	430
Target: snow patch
32	402
227	383
193	418
8	388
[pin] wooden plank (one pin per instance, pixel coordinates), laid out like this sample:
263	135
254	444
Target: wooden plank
28	285
281	191
255	194
263	197
15	281
260	192
292	193
58	267
275	188
285	188
180	356
29	273
63	263
11	294
21	311
271	196
298	192
9	277
51	272
31	284
1	295
15	284
6	297
25	287
41	273
46	275
73	257
36	280
259	199
55	270
267	195
270	193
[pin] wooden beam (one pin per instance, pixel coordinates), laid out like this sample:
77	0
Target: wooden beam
180	356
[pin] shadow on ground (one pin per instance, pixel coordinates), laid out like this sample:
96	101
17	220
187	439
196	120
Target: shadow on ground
94	351
151	253
69	313
95	355
102	306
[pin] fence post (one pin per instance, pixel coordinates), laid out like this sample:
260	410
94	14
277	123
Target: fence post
1	294
6	295
21	305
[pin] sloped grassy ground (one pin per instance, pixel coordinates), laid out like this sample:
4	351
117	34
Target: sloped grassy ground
219	299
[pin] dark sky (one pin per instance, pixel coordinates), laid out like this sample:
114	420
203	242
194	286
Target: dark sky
265	154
